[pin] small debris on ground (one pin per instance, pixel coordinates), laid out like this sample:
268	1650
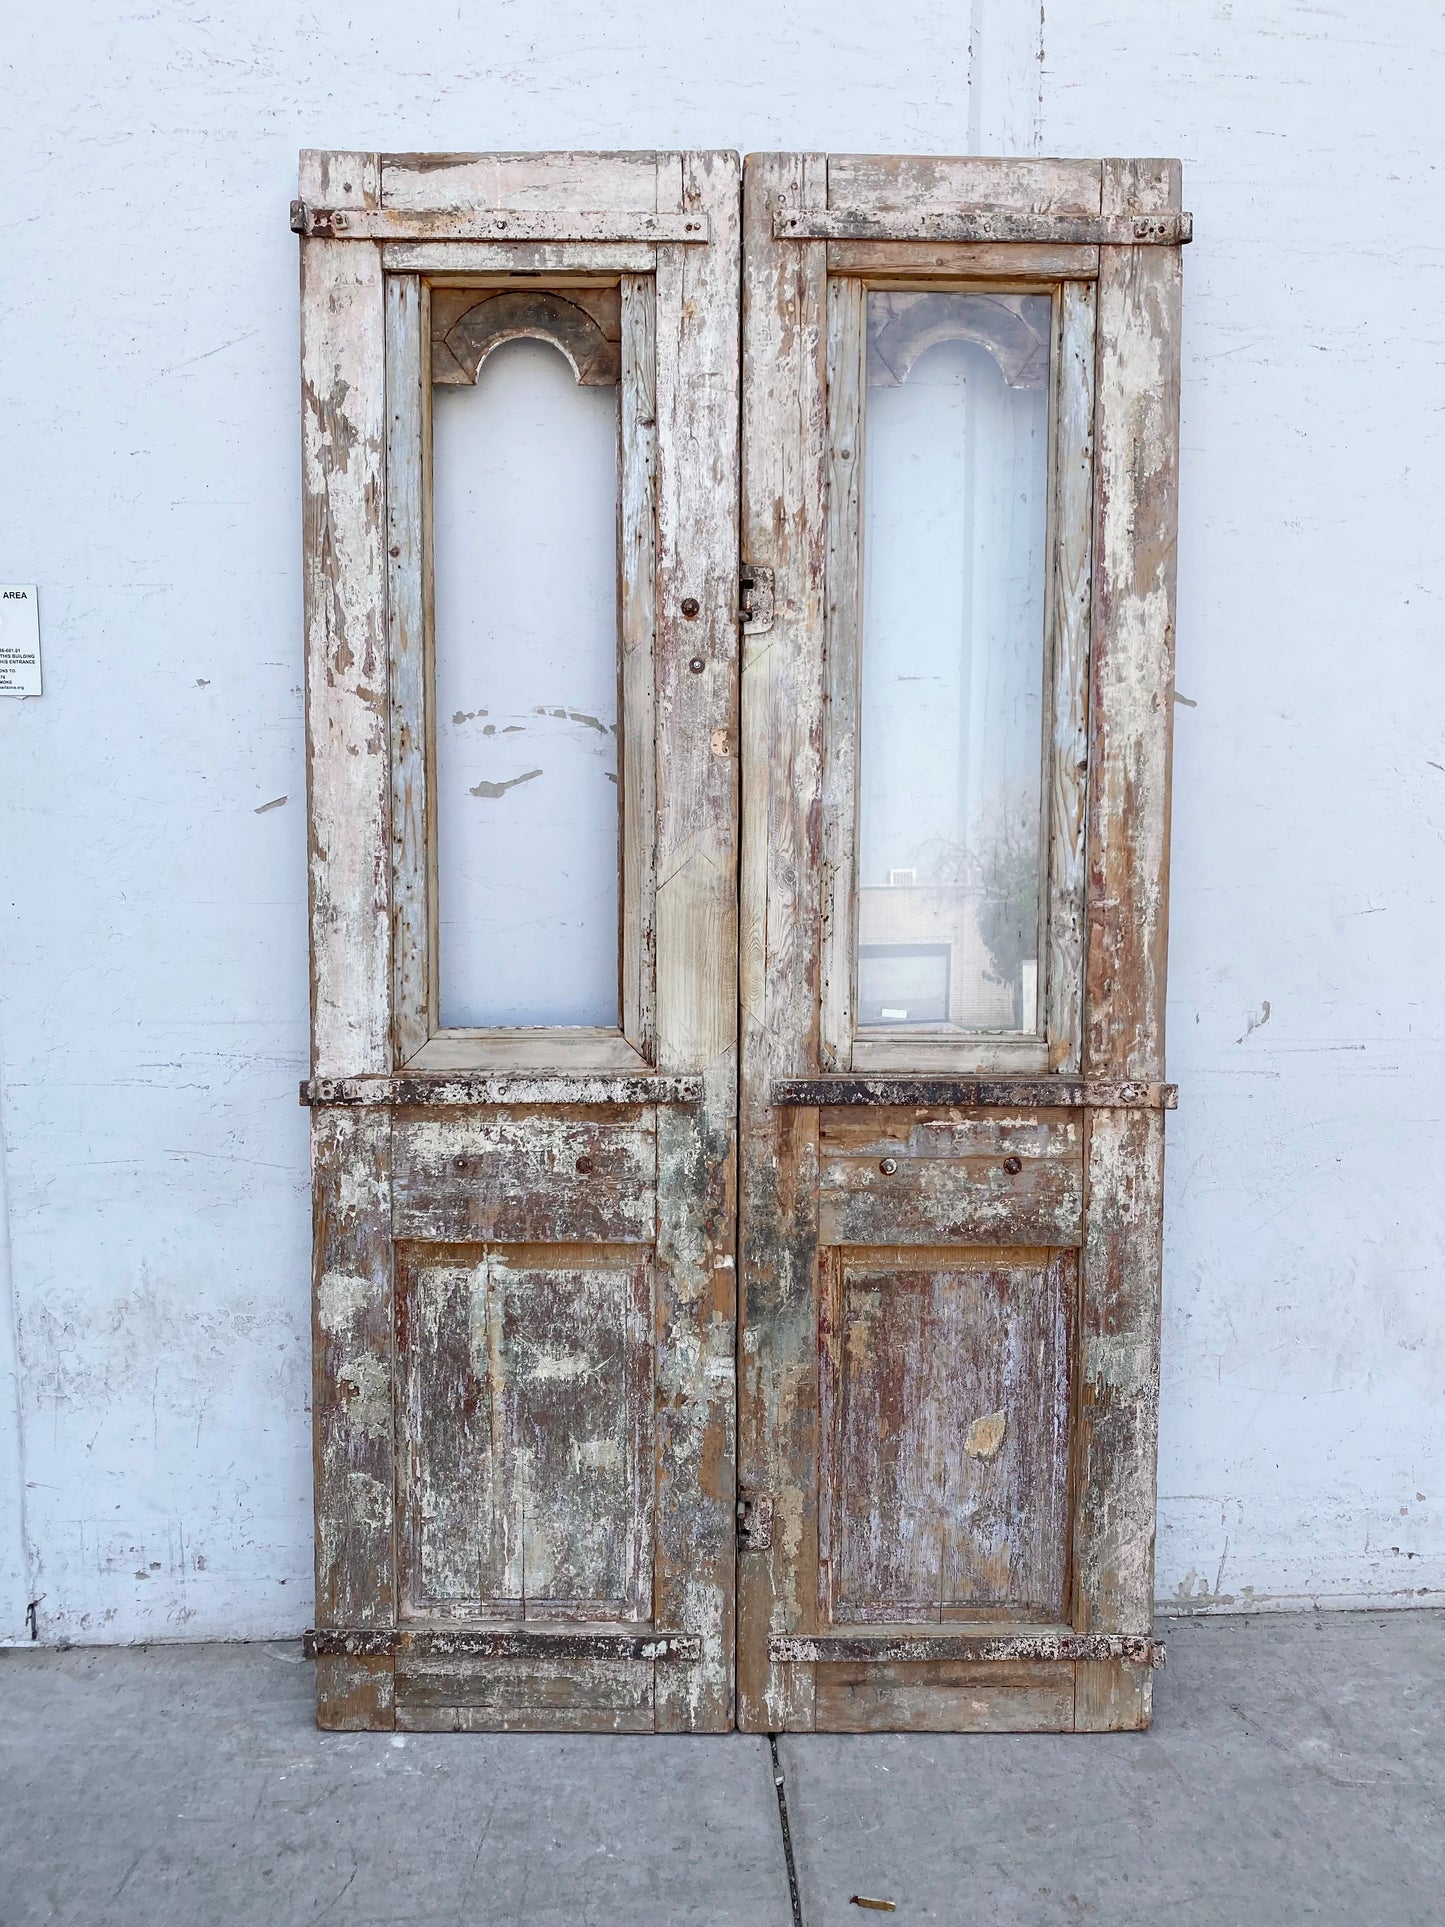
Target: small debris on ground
878	1906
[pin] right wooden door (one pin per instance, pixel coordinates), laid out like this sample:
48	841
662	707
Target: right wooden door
960	397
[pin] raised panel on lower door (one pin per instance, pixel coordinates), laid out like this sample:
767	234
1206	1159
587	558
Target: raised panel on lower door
944	1420
527	1461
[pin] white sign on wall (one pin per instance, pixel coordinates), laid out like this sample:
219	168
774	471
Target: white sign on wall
19	640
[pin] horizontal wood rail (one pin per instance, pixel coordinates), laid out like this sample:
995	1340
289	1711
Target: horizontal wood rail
982	1093
529	1642
506	1087
487	224
804	1649
986	224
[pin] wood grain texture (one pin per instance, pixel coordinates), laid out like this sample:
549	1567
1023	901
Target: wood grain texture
893	1178
643	179
784	494
1132	681
1118	1395
353	1427
443	260
847	302
1067	743
943	1697
969	225
526	1471
696	398
1012	264
360	226
945	1425
938	184
344	582
523	1175
449	1089
1055	1645
534	1695
457	1641
1010	1093
469	324
637	629
408	522
581	1050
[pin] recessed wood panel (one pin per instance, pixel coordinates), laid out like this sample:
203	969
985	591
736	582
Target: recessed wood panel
1006	1178
525	1175
532	1696
527	1420
943	1698
945	1409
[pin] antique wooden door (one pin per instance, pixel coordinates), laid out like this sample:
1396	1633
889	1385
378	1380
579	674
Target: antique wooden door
520	490
959	450
574	1470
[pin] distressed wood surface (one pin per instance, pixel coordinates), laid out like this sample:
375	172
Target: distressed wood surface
460	1088
525	1175
535	1695
408	521
316	221
886	1179
444	260
354	1447
847	303
526	1484
579	1049
343	444
1118	1380
944	1697
944	1469
566	178
696	399
1038	1645
499	1642
1067	767
1131	698
974	1093
637	631
953	263
468	324
784	528
938	184
981	224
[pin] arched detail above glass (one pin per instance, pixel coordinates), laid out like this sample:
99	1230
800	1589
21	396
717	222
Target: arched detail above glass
1013	328
467	324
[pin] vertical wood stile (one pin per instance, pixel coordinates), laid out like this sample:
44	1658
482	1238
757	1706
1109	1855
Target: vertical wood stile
847	353
784	492
408	417
1068	742
696	922
637	623
1130	726
348	779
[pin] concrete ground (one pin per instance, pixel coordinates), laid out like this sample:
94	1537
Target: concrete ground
1295	1773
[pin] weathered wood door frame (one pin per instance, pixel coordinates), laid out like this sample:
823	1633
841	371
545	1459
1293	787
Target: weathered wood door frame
418	1133
519	1184
885	1159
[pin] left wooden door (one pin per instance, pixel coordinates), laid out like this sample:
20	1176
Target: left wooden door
523	1133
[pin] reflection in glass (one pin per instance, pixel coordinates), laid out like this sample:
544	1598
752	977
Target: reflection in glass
954	524
524	496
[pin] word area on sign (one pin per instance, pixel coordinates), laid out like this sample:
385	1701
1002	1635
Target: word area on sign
19	640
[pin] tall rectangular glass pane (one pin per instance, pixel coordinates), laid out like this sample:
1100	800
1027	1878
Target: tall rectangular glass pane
951	751
524	495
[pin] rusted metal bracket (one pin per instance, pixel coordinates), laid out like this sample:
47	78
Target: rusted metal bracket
794	1649
985	224
489	224
755	1522
506	1087
969	1093
755	599
380	1642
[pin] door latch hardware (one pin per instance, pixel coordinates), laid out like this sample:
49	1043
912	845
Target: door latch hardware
755	599
755	1522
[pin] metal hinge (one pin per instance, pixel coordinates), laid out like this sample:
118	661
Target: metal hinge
755	599
755	1522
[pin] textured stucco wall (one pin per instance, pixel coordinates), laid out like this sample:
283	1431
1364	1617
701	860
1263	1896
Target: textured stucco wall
154	1455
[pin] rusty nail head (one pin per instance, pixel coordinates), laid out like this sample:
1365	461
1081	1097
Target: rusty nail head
459	1163
697	665
1013	1166
690	607
584	1165
888	1166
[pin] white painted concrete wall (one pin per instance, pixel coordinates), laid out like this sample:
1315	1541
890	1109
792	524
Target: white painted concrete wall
154	1466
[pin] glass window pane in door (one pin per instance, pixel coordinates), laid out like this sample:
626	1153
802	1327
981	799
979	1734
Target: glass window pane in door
524	499
951	750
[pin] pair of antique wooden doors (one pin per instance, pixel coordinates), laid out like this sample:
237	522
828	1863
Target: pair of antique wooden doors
737	1116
